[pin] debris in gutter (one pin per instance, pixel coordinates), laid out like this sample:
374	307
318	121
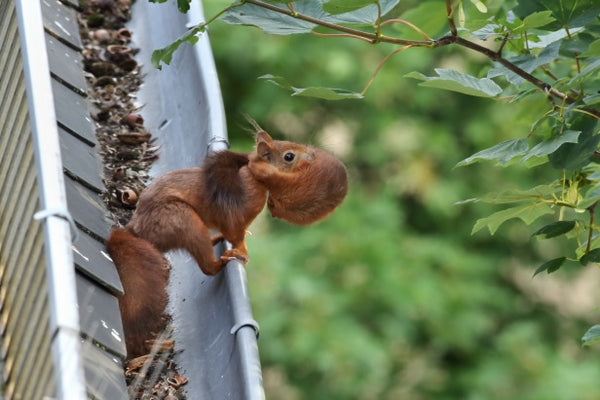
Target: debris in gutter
114	77
127	150
154	376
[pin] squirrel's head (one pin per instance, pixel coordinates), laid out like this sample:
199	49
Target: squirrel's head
305	183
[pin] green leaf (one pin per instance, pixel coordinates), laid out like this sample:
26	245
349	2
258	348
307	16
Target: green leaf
515	196
276	23
364	16
592	99
593	50
573	156
527	62
591	336
555	229
272	22
429	16
527	213
550	266
326	93
343	6
482	8
183	5
592	195
581	250
592	68
277	80
458	82
502	152
591	256
569	13
545	40
538	19
316	92
551	145
488	30
165	54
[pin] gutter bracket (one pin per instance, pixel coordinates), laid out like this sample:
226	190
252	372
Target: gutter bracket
248	322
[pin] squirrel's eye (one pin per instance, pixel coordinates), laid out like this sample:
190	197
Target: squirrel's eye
289	156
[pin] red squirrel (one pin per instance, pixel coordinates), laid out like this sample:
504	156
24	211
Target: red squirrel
300	184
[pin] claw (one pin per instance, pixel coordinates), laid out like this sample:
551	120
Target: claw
235	254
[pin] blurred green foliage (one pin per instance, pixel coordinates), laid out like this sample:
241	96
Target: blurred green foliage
391	297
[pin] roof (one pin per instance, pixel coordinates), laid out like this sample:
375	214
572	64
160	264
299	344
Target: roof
212	319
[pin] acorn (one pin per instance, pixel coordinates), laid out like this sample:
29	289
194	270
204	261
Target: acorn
101	35
124	35
133	120
128	197
118	52
119	173
104	81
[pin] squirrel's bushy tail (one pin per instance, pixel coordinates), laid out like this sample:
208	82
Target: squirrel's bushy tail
144	273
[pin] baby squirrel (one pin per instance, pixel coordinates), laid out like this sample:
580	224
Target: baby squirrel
300	184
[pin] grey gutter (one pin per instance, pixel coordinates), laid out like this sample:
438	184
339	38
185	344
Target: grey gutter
182	107
64	318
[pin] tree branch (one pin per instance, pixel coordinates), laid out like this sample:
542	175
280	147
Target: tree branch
544	86
450	16
453	38
372	37
592	210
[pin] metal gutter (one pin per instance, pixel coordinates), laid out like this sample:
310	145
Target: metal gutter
182	107
64	318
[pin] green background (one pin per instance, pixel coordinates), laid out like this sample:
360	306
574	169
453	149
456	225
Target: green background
391	297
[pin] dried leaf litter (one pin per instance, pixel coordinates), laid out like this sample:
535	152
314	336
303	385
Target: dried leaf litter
127	150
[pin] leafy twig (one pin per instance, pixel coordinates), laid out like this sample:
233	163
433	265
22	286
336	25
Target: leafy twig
504	41
412	26
450	16
347	35
453	38
378	22
372	37
592	211
381	65
191	36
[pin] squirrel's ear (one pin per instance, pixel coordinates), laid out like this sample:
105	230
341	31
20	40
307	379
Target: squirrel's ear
262	136
263	145
264	150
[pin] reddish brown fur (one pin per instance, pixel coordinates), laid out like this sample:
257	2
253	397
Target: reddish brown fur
302	193
145	298
177	210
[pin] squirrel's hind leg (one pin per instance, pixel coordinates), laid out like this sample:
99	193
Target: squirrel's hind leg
176	225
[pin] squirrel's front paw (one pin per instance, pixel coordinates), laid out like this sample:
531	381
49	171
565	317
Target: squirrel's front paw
237	254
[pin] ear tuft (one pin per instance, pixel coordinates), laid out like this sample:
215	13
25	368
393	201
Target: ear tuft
263	137
260	134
